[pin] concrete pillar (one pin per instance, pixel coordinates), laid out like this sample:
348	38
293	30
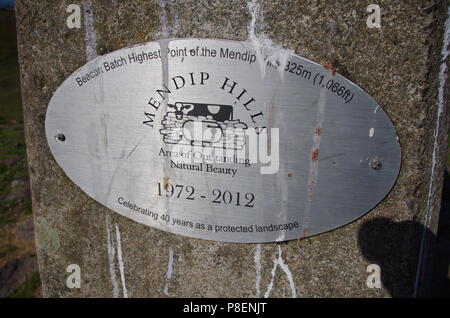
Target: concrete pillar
398	64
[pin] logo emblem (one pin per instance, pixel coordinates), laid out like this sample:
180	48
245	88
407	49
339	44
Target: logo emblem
206	125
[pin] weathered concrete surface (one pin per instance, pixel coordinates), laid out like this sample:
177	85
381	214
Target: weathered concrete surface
397	65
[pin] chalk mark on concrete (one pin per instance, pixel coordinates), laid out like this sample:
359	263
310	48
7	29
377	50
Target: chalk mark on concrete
90	37
111	259
280	262
120	259
169	272
431	195
257	259
111	256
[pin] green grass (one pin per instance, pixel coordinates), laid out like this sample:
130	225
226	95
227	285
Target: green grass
12	142
10	102
13	162
11	119
27	289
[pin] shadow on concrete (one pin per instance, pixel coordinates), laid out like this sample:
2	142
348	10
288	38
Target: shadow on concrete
395	247
441	273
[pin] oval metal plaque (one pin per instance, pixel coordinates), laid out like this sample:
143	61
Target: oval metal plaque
222	140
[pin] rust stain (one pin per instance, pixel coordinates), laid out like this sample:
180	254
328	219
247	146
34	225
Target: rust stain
315	155
318	131
289	175
303	233
330	67
166	183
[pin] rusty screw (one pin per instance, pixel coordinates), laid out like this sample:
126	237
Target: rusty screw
376	163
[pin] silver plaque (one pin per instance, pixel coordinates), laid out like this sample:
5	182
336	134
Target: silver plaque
223	140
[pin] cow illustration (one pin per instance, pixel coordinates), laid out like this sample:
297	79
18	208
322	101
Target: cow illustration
213	111
181	109
216	122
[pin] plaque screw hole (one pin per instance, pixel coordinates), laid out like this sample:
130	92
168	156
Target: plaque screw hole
60	137
376	163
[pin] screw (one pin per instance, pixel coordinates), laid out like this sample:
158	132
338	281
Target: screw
376	163
60	137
